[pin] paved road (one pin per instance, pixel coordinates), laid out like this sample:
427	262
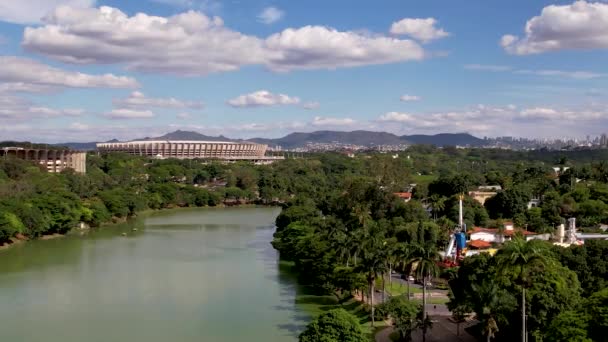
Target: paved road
444	330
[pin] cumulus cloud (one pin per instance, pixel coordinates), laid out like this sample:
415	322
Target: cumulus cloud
397	117
15	108
263	98
124	113
499	120
32	11
139	100
424	30
23	73
317	47
270	15
200	45
548	114
410	98
327	121
580	25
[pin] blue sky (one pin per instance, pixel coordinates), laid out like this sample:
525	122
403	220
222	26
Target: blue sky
85	70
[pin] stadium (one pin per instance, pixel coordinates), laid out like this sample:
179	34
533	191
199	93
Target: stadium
181	149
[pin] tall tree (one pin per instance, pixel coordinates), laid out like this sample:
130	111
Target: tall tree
425	258
521	258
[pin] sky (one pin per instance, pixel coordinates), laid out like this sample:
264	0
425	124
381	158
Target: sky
86	70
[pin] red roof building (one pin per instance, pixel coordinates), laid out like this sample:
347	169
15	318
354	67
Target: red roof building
405	196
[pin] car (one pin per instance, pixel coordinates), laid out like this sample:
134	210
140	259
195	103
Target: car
410	278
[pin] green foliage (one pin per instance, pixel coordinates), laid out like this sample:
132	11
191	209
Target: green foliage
403	313
597	309
10	225
568	326
335	325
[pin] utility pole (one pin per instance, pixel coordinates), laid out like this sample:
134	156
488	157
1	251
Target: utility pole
524	333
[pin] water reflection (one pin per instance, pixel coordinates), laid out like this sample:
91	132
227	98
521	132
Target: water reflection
191	275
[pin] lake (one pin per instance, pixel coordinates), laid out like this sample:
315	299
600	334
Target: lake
178	275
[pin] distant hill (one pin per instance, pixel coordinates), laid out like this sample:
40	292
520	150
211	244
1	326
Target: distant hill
444	139
188	135
365	138
82	146
368	138
294	140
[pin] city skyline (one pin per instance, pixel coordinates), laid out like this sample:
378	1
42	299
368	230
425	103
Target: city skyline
86	70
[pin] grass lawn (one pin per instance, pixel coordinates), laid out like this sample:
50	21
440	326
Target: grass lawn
398	289
424	179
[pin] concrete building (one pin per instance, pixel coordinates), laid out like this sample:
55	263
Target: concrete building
481	196
494	235
53	160
183	149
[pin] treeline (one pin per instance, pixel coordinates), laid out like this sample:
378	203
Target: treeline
346	240
116	186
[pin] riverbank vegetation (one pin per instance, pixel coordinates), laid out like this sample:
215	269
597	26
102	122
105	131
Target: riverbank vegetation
345	231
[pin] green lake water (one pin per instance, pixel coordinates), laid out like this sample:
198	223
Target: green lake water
184	275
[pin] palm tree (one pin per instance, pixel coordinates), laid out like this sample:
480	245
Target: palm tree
437	204
373	262
521	257
489	302
405	253
425	258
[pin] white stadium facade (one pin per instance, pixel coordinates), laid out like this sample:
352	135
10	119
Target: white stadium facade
191	149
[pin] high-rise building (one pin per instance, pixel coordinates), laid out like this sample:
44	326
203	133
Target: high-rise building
604	140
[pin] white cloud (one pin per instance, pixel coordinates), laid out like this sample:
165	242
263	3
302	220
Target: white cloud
397	117
410	98
581	75
420	29
311	105
317	47
499	121
580	25
326	121
549	114
200	45
539	113
139	100
485	67
79	126
15	108
184	116
206	6
22	73
32	11
270	15
263	98
574	74
124	113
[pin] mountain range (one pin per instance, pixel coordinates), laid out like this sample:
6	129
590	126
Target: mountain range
294	140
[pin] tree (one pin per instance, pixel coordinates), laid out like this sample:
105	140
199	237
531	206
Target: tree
373	261
403	315
521	258
597	309
334	325
568	326
425	258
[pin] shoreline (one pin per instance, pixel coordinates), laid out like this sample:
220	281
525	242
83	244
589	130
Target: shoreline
20	239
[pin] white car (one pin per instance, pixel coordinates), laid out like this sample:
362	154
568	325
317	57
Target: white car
411	279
